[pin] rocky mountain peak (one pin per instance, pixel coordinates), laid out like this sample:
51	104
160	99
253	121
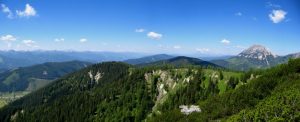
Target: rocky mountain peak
296	55
257	52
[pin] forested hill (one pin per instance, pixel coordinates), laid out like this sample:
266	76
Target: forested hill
148	59
116	91
181	61
74	97
34	77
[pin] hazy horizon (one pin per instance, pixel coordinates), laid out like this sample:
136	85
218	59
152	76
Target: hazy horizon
207	28
193	54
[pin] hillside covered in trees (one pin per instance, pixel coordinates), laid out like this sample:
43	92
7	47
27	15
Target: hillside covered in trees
36	76
114	91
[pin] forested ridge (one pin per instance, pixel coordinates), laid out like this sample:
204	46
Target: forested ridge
115	91
33	77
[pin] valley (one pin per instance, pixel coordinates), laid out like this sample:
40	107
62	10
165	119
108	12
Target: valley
7	97
16	83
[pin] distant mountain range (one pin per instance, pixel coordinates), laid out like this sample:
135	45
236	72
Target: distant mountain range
181	61
34	77
209	58
256	57
14	59
149	59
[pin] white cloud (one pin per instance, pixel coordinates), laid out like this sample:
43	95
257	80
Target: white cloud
29	43
8	38
225	41
59	40
154	35
6	10
277	16
140	30
177	47
29	11
202	50
238	14
82	40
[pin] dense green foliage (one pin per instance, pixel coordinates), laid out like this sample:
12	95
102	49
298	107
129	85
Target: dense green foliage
121	94
125	93
282	105
181	61
34	77
271	96
71	98
192	92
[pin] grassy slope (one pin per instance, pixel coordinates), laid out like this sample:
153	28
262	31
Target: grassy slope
222	84
257	92
2	103
7	97
282	105
272	96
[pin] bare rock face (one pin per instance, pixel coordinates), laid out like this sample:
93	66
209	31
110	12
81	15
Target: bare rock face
189	109
166	81
91	75
257	52
98	76
95	78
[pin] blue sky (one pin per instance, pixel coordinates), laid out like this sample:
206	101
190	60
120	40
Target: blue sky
204	27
